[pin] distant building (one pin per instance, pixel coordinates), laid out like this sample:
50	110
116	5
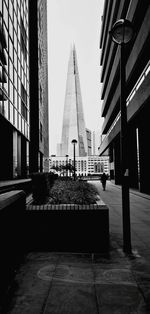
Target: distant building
73	117
89	141
96	138
88	165
97	164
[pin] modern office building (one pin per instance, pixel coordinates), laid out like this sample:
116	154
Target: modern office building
14	89
23	101
137	60
39	142
73	117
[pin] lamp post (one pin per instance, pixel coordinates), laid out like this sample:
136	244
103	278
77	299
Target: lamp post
122	32
67	165
74	142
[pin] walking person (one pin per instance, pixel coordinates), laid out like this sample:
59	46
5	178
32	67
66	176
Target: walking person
103	180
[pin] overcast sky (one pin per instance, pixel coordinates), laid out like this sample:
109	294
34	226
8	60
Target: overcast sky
79	22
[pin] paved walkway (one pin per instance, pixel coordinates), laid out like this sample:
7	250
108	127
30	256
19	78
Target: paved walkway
12	182
139	215
62	283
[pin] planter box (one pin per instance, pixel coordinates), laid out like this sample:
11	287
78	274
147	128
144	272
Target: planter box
12	209
68	228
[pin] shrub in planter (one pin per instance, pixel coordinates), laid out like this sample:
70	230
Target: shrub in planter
65	178
72	192
51	178
40	187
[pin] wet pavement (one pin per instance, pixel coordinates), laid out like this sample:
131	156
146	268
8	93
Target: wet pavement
53	282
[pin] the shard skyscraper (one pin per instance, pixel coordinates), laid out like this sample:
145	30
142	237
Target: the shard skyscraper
73	117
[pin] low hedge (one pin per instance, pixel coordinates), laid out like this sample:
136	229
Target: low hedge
72	192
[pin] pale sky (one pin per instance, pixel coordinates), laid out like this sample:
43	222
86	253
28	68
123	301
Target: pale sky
79	22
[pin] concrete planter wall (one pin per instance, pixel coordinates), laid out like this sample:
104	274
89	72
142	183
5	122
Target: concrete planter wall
68	227
12	210
59	228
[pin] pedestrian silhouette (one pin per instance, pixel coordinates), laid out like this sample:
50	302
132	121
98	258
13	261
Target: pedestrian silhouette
103	180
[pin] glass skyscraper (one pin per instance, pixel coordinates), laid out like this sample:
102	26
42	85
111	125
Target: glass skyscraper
14	101
15	79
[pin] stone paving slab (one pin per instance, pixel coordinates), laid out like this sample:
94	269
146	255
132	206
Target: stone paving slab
76	283
71	298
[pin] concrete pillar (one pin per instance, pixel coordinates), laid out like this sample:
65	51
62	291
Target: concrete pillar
133	160
6	146
117	162
15	154
111	161
19	155
23	157
27	156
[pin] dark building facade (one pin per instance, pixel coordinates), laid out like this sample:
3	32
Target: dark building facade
39	135
16	94
14	89
137	91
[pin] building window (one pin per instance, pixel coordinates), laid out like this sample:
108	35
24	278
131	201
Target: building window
23	40
23	102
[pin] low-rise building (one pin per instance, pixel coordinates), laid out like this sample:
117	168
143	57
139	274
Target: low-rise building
85	166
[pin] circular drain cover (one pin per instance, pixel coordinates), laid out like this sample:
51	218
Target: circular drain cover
86	275
49	272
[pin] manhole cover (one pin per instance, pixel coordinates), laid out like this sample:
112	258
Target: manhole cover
118	275
86	275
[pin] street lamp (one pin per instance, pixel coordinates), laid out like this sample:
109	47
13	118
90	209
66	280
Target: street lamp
122	33
74	142
67	165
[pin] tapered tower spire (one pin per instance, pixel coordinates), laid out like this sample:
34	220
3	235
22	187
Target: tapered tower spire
73	117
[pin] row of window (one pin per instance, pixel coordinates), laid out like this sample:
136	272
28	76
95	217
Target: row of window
82	164
14	97
95	168
16	37
17	42
16	57
15	21
62	162
15	82
15	7
15	118
16	87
